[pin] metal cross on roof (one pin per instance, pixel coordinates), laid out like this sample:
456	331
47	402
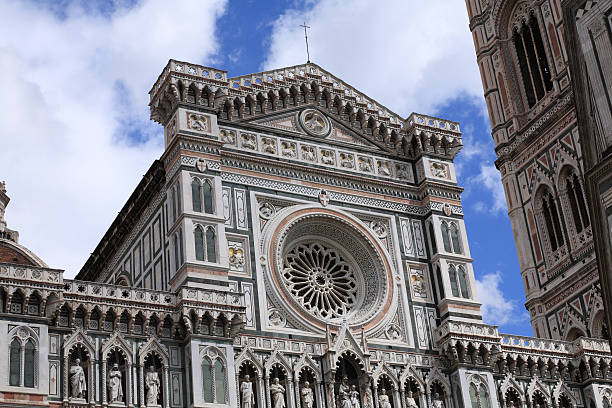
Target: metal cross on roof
306	37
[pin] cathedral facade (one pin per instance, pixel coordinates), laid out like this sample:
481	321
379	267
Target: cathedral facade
297	245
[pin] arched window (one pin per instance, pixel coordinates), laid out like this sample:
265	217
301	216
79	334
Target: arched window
207	377
452	273
23	360
432	237
208	197
213	377
219	381
440	283
198	236
551	219
176	253
28	366
445	237
196	195
479	397
211	253
463	283
454	230
577	204
532	60
606	403
15	362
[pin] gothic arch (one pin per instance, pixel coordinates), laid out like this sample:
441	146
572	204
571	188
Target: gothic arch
384	370
306	361
536	386
510	383
153	346
116	341
247	355
277	359
408	373
436	376
560	390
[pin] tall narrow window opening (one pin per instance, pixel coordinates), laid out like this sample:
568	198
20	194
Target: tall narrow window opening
28	366
445	238
15	363
196	195
199	243
463	283
532	61
211	253
208	198
454	230
452	274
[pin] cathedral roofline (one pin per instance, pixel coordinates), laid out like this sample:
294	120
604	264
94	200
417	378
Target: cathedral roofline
151	184
227	97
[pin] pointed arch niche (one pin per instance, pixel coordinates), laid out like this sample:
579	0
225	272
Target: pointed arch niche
115	350
154	354
79	351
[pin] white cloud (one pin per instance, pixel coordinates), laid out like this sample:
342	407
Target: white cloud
489	179
72	89
496	308
408	55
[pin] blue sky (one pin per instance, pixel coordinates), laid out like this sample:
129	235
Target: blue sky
77	132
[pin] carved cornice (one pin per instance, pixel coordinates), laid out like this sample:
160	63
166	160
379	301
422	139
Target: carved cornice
252	96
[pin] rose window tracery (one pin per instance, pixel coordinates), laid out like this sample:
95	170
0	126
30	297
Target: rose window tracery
320	279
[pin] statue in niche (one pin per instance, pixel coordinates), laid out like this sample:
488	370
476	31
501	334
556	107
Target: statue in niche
410	401
344	394
278	394
115	390
152	383
246	393
354	397
307	395
383	399
437	401
77	380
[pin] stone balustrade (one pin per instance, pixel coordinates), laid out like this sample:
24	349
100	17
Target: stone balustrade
32	276
105	293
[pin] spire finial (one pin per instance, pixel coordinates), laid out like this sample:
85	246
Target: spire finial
306	37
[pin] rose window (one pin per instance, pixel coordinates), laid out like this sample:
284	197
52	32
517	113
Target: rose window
320	279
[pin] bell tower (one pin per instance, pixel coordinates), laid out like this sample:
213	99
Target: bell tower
528	91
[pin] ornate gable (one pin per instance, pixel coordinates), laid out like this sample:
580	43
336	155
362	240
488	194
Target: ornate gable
250	98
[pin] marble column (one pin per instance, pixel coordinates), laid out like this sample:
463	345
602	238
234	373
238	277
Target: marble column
268	399
298	399
375	396
141	385
166	398
331	396
128	385
402	398
320	393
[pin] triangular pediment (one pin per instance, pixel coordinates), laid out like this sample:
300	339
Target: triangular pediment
330	130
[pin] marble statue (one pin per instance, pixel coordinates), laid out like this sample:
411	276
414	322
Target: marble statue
307	395
152	383
410	401
247	397
343	397
277	392
355	397
437	401
77	380
115	389
383	399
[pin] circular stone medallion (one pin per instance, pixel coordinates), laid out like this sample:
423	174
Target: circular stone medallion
314	122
